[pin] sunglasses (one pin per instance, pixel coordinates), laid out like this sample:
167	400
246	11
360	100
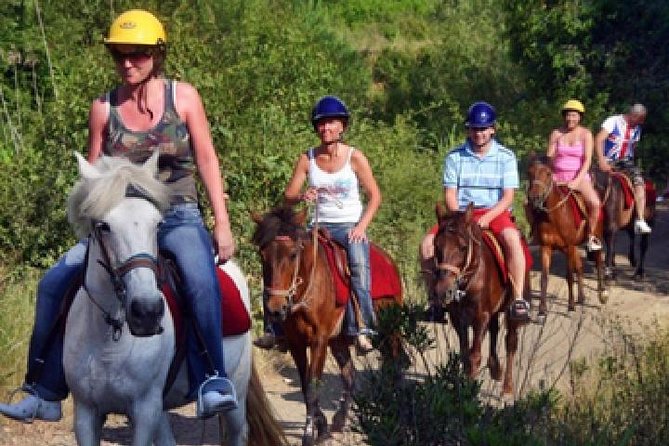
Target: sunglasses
134	56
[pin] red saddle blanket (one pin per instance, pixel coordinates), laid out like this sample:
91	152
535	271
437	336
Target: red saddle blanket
495	247
627	188
576	210
234	317
384	275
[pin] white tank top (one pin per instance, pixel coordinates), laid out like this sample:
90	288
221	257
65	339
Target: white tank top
339	194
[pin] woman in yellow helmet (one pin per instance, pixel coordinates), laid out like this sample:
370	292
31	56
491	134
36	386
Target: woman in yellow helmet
145	113
570	149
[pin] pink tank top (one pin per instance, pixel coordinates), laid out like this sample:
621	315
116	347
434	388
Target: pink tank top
568	161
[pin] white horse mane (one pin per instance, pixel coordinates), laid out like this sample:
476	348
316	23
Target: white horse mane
93	197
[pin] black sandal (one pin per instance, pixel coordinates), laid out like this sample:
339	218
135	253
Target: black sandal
519	310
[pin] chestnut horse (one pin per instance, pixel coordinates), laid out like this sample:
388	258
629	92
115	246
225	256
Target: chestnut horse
300	294
618	216
469	282
555	227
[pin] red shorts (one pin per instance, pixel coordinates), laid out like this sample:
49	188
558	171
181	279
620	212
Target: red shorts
497	225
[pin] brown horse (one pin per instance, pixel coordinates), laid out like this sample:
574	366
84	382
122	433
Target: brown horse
301	296
468	280
618	216
554	225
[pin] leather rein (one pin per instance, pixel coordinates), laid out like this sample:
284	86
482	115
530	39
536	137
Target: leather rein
116	274
461	273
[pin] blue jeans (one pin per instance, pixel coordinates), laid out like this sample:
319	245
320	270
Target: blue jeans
358	263
186	240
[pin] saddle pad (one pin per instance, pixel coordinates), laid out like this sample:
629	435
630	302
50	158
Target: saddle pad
651	192
385	278
577	206
492	242
235	319
627	188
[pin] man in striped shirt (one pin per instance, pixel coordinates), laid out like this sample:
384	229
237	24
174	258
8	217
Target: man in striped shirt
485	173
615	145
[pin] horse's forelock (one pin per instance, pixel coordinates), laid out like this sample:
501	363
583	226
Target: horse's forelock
92	198
279	222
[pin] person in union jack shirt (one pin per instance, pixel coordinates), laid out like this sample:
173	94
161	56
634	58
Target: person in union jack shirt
615	145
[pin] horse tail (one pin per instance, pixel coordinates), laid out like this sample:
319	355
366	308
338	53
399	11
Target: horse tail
264	429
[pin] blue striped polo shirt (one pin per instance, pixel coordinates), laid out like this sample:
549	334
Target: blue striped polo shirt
480	180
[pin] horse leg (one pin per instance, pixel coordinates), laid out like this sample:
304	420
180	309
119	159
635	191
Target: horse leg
164	435
480	325
631	252
511	348
342	355
546	254
602	292
571	253
578	269
87	424
145	415
609	273
461	329
643	247
493	359
315	416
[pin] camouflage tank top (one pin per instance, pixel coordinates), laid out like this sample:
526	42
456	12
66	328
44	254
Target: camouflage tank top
170	136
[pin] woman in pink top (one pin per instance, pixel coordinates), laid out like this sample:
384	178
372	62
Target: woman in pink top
570	151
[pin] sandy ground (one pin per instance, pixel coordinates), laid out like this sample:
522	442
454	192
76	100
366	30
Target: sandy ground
545	352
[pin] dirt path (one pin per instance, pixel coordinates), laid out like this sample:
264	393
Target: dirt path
545	352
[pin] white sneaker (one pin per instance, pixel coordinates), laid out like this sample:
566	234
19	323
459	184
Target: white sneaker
593	244
363	345
33	408
641	227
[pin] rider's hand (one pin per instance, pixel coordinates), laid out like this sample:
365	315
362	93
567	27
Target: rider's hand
573	184
310	195
357	234
605	167
224	243
484	222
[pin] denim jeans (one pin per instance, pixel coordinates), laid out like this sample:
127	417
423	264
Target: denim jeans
184	238
45	345
358	263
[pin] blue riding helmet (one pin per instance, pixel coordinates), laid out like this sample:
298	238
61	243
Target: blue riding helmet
480	115
329	107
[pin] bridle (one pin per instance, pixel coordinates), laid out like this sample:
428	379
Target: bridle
539	203
462	274
116	274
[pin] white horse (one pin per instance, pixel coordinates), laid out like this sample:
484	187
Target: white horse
119	338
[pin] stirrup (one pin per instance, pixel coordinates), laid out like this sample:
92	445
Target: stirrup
216	394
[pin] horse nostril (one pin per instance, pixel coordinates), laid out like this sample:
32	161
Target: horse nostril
147	311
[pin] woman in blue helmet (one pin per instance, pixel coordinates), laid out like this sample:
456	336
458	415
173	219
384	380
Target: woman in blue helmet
334	173
484	172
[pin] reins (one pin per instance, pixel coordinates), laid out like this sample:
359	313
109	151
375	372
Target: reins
461	273
297	280
139	260
544	197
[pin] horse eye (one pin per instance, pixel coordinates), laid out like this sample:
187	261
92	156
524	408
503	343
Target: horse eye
102	226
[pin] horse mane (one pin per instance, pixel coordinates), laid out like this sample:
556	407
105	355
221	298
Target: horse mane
92	198
279	221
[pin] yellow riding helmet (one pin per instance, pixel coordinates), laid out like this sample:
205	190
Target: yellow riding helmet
573	104
136	27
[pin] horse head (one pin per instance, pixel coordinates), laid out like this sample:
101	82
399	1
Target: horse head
281	237
456	253
540	182
118	205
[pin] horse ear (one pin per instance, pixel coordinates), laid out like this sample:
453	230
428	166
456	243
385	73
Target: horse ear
152	163
441	211
86	169
301	217
469	212
256	217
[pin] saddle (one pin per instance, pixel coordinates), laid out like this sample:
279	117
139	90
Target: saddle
578	208
384	275
496	248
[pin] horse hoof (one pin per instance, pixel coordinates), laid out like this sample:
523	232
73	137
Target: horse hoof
338	422
541	318
571	308
603	296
